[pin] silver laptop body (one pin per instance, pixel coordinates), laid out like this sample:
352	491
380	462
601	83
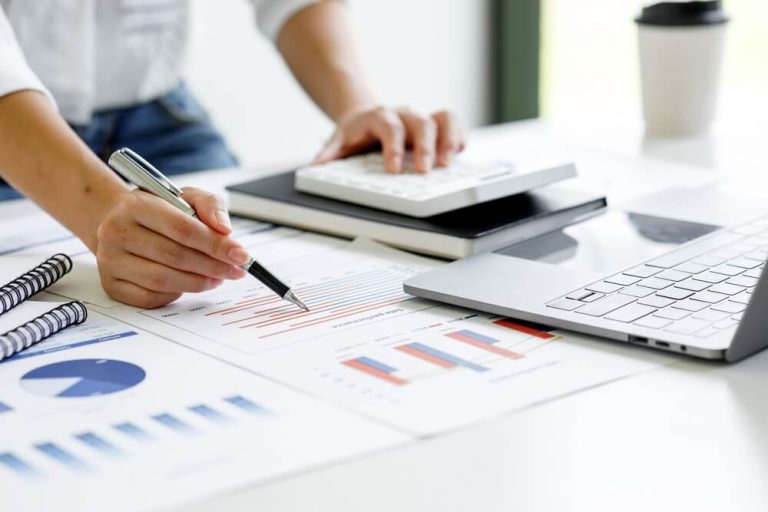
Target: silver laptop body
707	298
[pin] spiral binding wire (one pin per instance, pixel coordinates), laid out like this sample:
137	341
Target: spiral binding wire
34	281
43	326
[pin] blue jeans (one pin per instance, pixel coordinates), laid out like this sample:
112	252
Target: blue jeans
173	132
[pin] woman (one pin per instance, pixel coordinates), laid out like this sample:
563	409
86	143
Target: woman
80	78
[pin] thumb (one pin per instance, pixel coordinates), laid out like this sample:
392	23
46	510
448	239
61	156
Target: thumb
210	208
332	149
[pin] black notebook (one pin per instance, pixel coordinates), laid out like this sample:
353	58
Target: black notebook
457	234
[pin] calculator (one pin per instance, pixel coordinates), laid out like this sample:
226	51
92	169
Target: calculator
363	180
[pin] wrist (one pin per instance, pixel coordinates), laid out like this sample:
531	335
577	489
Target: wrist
101	198
354	109
351	97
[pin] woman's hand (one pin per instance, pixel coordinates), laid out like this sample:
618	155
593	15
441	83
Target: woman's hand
434	139
149	253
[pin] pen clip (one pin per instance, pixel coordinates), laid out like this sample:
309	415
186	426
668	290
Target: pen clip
155	175
144	175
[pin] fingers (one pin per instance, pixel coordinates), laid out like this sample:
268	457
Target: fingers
149	253
210	208
388	128
450	138
156	215
159	278
434	139
147	244
332	150
422	133
134	295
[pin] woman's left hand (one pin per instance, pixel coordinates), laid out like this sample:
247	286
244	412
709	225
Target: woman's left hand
434	139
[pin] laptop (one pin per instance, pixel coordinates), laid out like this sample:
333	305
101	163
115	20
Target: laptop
706	298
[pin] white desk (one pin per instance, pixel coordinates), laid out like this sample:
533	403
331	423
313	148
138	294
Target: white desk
689	436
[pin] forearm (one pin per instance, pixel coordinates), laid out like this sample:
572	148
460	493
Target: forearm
46	161
318	45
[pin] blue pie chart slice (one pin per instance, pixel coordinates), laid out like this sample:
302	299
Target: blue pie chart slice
82	378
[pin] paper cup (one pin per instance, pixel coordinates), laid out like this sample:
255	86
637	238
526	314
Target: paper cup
680	75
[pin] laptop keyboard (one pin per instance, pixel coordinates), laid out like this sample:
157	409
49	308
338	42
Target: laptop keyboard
698	290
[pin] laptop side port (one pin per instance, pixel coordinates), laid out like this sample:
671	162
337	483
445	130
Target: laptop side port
638	339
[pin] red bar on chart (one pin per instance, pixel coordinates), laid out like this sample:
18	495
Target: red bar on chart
536	330
425	357
482	342
375	369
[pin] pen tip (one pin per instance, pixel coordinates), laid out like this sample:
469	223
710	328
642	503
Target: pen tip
301	304
290	296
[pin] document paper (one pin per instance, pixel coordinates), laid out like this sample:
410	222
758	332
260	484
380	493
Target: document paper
409	363
135	422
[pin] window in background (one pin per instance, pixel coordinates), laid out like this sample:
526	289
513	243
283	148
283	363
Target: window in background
590	62
516	59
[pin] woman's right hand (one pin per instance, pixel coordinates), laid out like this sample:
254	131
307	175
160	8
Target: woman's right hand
149	252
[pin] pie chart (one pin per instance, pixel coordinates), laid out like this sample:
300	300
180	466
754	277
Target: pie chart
82	378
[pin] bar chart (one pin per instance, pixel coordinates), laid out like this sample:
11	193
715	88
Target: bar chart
99	444
443	367
451	350
134	432
439	357
146	422
375	369
539	331
18	466
123	439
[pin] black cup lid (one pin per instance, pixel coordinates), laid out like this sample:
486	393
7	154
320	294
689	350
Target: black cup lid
701	12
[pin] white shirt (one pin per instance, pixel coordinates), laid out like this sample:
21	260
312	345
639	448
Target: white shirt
90	55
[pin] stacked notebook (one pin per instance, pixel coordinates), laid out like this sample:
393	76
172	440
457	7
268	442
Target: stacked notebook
25	323
455	234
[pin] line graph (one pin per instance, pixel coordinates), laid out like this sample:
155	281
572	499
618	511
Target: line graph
332	300
349	292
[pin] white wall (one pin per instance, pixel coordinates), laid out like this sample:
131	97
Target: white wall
428	54
591	59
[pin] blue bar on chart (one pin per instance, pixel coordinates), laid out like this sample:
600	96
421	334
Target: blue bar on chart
483	342
431	353
17	465
133	431
5	407
376	364
210	413
174	423
476	336
246	405
61	455
99	443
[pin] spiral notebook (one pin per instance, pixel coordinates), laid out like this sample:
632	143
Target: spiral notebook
24	323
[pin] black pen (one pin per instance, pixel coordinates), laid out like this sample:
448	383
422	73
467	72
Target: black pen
141	173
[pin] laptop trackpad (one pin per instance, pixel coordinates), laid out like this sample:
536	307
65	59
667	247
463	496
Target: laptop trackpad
498	284
523	277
